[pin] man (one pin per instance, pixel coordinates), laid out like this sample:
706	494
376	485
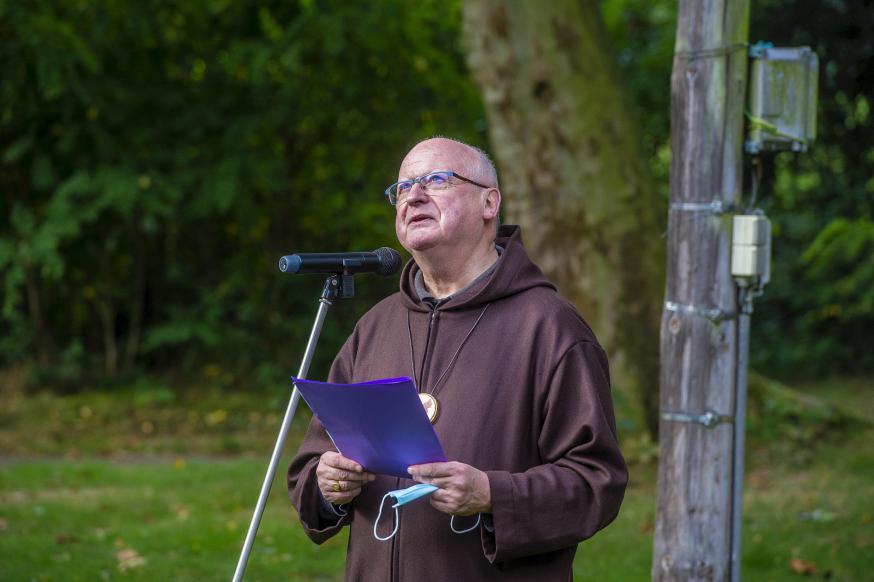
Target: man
518	382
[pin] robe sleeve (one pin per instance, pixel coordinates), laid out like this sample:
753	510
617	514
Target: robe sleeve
303	489
580	485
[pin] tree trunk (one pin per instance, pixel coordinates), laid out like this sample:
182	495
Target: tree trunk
106	314
708	84
137	304
572	172
34	307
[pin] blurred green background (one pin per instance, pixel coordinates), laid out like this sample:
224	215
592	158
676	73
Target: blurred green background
156	158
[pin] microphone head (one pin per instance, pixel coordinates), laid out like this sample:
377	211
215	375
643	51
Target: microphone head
289	264
389	261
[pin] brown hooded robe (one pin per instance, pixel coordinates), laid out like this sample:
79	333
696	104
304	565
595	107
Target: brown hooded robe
527	400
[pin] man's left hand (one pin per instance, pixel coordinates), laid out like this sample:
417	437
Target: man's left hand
463	490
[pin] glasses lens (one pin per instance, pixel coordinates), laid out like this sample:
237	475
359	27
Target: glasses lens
397	191
433	181
436	180
402	189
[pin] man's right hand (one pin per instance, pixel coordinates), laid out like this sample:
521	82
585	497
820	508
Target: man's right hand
340	479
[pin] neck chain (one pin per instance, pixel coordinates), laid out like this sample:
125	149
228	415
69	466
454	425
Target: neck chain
428	397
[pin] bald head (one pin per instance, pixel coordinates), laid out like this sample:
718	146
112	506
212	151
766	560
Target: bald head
473	162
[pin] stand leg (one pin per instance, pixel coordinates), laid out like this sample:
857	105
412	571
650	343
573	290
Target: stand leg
324	303
740	403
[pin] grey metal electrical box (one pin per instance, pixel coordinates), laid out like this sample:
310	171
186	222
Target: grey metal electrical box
782	98
751	247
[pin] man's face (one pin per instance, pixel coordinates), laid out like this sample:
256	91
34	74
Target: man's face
451	217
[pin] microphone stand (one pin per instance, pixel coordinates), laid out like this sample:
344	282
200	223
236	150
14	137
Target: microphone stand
336	286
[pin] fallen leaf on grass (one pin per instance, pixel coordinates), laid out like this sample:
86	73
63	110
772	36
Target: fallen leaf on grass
128	559
761	479
805	567
65	538
4	524
181	512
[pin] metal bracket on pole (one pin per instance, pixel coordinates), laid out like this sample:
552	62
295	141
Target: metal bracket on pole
713	314
714	207
708	419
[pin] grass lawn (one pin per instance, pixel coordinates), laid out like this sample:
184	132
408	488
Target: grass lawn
149	520
119	499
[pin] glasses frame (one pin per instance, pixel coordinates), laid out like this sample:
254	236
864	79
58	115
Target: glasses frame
419	181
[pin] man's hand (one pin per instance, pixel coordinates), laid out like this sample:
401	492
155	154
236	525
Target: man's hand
340	479
463	490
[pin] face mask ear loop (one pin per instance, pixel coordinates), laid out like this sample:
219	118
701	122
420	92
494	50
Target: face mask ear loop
379	515
464	531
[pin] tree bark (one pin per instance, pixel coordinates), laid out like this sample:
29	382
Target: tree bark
44	344
137	304
106	314
708	84
572	172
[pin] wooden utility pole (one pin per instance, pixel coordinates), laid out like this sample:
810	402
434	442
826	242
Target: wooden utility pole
699	322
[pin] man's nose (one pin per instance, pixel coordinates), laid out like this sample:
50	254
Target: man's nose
417	194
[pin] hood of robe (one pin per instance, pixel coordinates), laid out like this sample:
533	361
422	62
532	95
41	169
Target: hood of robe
514	273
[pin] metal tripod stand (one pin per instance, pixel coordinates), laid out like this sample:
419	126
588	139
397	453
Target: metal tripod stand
336	286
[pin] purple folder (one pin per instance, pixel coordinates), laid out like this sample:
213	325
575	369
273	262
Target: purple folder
380	424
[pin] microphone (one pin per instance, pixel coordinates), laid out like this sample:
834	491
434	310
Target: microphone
383	261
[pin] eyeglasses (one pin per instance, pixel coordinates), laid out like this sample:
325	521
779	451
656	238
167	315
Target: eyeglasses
437	180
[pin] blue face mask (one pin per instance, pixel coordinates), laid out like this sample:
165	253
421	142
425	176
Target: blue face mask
404	496
409	494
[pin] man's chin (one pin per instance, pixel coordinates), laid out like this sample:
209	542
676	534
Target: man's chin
418	238
418	244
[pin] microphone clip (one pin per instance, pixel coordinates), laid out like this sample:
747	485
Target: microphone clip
339	286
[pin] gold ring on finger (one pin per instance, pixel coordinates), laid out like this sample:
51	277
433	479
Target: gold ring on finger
336	486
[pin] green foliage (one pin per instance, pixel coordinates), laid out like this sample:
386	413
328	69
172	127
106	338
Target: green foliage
795	423
839	261
833	299
157	158
642	34
817	314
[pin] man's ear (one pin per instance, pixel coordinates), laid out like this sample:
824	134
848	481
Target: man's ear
491	204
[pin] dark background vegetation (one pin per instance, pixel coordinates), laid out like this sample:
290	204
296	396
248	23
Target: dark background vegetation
157	158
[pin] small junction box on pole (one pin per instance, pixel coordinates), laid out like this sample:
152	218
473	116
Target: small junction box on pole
751	248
